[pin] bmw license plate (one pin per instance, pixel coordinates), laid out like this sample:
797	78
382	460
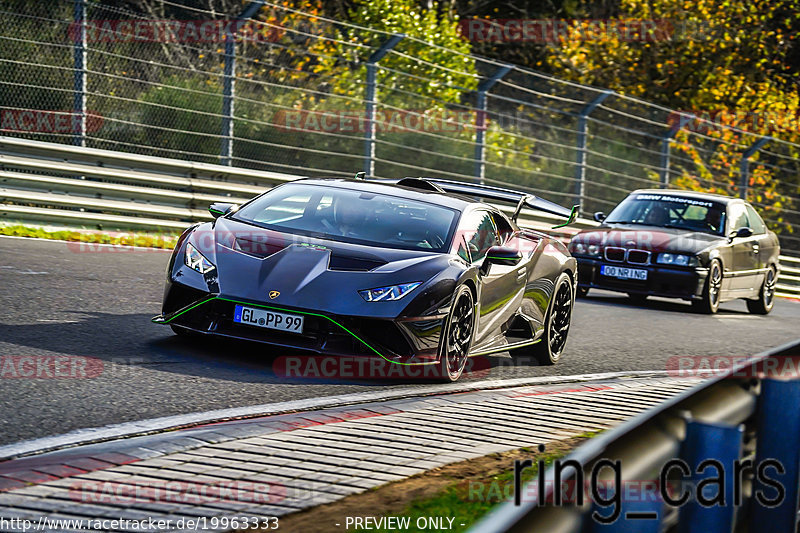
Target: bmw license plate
268	319
623	272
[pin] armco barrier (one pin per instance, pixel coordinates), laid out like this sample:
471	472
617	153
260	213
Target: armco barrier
72	185
749	414
42	181
789	281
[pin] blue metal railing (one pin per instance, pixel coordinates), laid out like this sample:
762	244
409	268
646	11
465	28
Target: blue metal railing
723	455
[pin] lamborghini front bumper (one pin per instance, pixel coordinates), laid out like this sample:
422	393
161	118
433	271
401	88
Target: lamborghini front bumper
402	340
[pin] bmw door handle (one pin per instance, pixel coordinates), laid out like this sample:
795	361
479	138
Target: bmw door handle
755	248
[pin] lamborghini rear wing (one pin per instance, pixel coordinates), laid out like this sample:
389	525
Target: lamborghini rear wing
521	199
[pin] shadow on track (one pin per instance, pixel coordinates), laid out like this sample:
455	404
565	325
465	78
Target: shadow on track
122	342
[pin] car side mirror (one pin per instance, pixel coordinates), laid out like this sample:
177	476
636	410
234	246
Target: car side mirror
500	255
741	232
218	209
599	216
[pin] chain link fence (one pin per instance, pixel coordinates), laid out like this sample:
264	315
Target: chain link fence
259	85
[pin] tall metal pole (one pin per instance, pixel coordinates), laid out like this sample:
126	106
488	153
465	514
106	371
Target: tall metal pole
580	168
480	121
665	148
79	66
229	81
371	100
744	165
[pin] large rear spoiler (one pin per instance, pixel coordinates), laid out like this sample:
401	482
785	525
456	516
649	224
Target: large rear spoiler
521	199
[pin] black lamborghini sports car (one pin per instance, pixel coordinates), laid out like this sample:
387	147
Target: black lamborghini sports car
416	271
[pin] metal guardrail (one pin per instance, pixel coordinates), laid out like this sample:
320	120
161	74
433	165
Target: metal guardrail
789	281
731	418
44	182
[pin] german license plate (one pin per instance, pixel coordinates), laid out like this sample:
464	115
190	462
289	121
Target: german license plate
268	319
623	272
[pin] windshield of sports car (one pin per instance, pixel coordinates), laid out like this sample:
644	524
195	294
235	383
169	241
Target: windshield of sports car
670	211
346	215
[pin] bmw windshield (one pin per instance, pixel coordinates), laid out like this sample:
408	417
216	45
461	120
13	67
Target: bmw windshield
352	216
670	211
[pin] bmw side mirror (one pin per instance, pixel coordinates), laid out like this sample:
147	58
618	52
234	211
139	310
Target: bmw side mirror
741	232
500	255
599	216
218	209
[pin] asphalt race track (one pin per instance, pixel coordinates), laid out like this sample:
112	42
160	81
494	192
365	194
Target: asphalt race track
59	300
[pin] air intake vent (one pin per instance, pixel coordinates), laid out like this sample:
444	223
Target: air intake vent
354	264
258	248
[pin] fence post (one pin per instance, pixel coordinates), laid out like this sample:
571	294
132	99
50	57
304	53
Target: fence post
229	81
480	121
778	434
665	148
744	165
79	66
580	169
372	68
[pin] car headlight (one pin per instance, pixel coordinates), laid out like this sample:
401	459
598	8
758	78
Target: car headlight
387	294
585	249
676	259
197	261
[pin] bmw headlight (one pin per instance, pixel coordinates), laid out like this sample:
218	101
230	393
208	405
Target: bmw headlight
388	294
197	261
676	259
585	249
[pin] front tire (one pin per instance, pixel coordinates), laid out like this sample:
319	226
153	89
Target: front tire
559	317
709	304
766	296
457	335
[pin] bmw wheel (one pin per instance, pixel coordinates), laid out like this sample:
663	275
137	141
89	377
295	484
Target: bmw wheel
457	335
766	297
549	349
709	303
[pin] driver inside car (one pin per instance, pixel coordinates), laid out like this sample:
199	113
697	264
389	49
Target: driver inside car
713	219
657	216
350	216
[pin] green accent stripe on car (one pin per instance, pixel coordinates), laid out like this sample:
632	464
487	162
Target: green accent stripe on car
573	214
